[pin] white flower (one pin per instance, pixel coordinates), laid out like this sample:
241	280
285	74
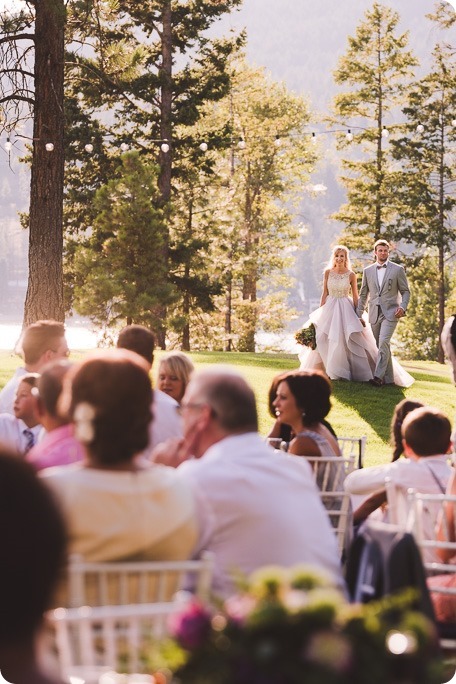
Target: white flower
83	417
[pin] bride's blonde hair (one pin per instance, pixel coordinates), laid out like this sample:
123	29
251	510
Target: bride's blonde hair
332	260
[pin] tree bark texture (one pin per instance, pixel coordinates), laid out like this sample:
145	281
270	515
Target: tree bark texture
44	297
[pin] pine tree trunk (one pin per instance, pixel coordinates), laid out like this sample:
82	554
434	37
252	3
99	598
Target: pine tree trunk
164	180
44	297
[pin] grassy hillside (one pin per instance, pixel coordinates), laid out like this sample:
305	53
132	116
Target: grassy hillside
358	409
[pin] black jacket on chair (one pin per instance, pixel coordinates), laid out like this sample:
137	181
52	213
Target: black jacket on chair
384	560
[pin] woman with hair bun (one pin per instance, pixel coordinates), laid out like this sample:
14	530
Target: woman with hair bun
346	347
118	505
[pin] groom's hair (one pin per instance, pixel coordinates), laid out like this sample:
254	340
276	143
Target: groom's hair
384	243
427	431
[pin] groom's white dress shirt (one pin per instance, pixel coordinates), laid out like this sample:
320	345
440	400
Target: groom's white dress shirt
257	507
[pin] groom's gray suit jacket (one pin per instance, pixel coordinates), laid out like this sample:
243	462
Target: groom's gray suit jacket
394	291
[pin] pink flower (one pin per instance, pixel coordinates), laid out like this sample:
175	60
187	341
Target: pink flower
191	626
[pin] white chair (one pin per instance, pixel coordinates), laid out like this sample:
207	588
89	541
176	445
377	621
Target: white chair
87	641
426	518
353	446
120	583
329	474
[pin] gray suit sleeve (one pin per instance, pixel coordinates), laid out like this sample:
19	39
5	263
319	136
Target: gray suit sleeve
363	294
403	288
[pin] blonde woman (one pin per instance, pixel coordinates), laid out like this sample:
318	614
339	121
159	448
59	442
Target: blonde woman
174	371
346	347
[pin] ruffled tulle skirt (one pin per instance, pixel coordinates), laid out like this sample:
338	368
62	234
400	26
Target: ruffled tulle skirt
345	349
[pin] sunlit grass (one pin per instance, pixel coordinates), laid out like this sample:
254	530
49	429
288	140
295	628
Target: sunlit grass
358	408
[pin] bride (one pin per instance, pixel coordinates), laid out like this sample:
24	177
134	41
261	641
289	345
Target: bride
346	347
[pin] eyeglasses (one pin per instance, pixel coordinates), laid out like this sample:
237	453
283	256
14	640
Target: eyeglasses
183	407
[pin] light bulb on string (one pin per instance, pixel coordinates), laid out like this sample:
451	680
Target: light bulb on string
203	147
277	141
164	147
124	147
314	137
420	128
88	148
8	145
349	135
241	144
49	147
385	132
453	123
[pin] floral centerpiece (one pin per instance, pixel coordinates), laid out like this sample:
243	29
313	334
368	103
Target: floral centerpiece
294	628
307	336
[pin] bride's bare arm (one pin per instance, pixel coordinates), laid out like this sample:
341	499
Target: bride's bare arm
325	292
354	289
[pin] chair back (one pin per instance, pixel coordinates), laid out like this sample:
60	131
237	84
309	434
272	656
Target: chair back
329	473
88	641
430	522
353	446
121	583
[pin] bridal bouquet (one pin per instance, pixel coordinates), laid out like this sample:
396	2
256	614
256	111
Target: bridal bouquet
307	336
292	627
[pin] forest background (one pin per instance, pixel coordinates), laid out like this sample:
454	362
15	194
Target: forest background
300	46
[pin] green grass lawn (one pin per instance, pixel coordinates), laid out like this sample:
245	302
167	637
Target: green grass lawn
358	408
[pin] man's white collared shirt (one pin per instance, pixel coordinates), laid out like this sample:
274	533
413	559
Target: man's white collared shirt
257	507
381	273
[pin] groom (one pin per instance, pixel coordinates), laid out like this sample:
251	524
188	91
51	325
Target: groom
385	286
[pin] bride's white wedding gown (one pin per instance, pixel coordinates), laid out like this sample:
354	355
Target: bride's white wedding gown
345	349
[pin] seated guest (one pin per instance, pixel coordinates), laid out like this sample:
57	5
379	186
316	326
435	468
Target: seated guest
426	433
279	430
448	339
401	410
40	343
20	431
167	422
174	371
303	402
58	446
366	506
32	542
256	506
119	506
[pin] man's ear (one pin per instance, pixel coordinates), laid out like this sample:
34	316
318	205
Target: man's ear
407	449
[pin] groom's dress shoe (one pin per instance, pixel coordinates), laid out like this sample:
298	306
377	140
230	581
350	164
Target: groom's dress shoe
376	382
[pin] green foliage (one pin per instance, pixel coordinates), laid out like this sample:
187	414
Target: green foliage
378	69
119	272
418	333
293	626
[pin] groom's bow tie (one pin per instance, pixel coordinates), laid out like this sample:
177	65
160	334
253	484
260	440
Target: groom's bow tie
382	266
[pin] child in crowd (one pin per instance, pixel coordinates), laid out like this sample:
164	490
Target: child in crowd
20	432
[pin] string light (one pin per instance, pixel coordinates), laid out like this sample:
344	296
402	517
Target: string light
88	148
349	135
8	145
164	147
124	147
420	128
49	147
203	147
241	144
453	123
277	141
385	132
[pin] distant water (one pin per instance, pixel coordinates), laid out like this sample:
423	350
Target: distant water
82	337
78	337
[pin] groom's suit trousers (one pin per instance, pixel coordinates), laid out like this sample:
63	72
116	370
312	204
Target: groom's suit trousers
383	330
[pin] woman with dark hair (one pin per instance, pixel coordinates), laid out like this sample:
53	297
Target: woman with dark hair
402	409
303	402
117	504
33	545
